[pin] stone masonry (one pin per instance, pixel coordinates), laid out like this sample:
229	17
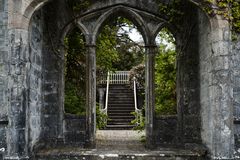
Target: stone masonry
32	77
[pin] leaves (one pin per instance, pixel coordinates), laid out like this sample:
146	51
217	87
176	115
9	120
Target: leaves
165	76
75	71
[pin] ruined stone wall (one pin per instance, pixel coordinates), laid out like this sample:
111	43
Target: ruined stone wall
55	19
188	80
236	90
74	130
35	77
204	66
3	72
216	92
166	128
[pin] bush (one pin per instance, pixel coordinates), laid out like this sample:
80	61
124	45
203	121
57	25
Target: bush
74	102
102	118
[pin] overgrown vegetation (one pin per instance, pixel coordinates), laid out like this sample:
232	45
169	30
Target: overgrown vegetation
75	69
229	9
165	75
116	51
102	118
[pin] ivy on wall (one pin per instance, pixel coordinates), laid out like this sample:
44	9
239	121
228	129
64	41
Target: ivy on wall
78	5
229	9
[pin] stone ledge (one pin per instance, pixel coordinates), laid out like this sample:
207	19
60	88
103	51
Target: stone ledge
100	154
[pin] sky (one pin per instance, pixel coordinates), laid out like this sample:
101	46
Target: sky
137	37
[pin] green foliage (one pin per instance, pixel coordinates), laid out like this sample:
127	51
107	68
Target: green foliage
173	10
229	9
138	72
165	76
75	84
236	15
115	50
139	124
106	48
77	5
101	118
74	103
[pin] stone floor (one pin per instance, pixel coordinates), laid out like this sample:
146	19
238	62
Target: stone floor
120	140
118	145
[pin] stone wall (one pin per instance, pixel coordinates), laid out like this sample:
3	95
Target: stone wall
216	92
51	57
74	130
3	72
35	77
236	90
204	66
188	79
32	81
166	129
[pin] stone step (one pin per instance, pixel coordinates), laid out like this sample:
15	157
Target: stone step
120	114
111	154
121	109
120	96
121	99
122	105
119	127
113	111
120	121
122	90
121	117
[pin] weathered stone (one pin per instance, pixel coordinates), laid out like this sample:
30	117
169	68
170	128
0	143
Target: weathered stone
32	70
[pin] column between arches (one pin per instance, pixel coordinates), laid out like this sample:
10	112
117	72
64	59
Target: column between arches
91	93
151	51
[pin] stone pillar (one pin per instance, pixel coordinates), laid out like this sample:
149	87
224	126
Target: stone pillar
217	90
90	95
221	93
17	111
101	97
3	74
150	95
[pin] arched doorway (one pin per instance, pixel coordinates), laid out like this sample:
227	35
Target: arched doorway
37	87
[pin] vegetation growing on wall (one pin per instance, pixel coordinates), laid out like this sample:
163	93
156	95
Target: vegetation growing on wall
229	9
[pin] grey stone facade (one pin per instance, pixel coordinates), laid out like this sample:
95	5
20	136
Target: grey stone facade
32	81
3	72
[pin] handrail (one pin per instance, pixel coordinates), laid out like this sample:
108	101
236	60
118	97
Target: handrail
138	111
135	93
117	77
107	92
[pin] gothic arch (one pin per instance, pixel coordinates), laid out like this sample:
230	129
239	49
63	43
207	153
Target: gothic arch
127	13
32	7
209	46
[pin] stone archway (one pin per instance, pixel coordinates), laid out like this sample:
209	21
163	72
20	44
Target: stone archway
204	75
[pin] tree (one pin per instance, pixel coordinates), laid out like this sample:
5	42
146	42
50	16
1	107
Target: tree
75	69
115	51
165	75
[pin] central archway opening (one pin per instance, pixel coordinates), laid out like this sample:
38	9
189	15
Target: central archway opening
120	84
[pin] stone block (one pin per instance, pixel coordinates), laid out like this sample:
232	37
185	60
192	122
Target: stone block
221	48
51	98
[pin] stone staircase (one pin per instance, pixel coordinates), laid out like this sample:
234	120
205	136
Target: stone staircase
120	107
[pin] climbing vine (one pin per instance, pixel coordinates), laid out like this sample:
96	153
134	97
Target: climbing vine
78	5
229	9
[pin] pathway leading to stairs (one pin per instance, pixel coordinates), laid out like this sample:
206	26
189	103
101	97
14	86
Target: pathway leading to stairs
119	140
